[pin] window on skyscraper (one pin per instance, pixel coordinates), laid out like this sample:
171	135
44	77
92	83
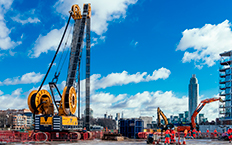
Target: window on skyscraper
228	71
228	78
228	84
227	90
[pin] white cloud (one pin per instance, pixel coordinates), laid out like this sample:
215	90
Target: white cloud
48	42
161	73
25	21
5	4
134	43
27	78
95	41
118	79
146	104
205	44
27	17
152	100
54	64
106	98
1	92
103	11
13	101
17	92
5	40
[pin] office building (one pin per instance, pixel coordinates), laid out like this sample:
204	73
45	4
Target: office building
16	119
181	117
117	116
186	116
193	95
117	119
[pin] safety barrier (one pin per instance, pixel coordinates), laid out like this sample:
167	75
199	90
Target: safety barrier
143	135
159	137
40	137
93	134
59	136
90	135
13	136
204	135
98	134
84	135
74	136
180	137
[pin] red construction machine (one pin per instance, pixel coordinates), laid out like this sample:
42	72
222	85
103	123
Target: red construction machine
193	125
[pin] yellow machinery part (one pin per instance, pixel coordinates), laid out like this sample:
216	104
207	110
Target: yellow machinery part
45	98
47	121
89	11
31	102
76	12
63	106
60	110
41	102
72	100
70	106
69	120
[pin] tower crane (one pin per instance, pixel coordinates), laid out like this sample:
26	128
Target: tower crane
42	103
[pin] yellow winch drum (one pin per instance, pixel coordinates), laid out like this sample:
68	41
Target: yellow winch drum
31	102
69	101
41	102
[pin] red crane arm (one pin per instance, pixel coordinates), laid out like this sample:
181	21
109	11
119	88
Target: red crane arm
199	108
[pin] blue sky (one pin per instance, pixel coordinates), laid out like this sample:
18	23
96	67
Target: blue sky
143	52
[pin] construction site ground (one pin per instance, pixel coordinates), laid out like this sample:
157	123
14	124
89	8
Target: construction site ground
134	142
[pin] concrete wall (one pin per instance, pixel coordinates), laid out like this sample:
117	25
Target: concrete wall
220	128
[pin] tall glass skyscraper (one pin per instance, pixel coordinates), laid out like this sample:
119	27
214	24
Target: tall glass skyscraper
193	96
